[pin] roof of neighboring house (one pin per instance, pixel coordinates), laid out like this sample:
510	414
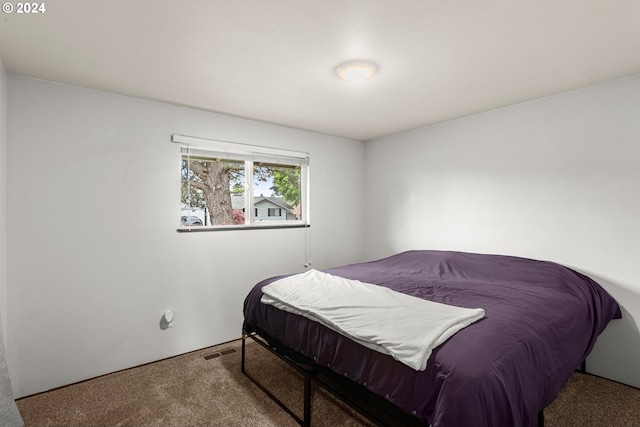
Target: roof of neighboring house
237	202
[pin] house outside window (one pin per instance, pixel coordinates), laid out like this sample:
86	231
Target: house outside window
222	181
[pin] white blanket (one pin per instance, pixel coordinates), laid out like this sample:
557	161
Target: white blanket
405	327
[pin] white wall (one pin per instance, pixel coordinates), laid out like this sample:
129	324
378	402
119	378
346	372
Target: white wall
555	179
87	286
3	197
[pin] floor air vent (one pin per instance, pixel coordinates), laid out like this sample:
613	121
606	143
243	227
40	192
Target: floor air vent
222	353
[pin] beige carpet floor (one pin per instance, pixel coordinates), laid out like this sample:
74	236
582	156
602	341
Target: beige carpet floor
191	390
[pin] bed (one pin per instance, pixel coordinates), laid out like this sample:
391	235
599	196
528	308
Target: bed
540	322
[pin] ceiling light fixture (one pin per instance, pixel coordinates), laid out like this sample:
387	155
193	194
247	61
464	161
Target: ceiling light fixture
356	71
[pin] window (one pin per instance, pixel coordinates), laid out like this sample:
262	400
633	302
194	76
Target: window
221	182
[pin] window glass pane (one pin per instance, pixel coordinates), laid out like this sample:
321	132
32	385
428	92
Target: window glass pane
276	191
212	191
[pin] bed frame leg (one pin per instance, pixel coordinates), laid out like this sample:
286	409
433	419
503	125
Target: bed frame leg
541	419
244	338
307	402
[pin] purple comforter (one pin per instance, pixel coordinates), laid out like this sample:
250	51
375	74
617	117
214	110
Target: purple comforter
542	320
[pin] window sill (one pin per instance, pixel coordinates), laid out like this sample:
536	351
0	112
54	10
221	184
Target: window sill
200	229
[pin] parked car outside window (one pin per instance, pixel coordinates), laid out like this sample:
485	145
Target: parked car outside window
190	220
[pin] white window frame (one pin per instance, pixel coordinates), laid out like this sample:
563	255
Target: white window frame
250	154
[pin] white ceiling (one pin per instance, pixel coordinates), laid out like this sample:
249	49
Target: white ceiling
274	60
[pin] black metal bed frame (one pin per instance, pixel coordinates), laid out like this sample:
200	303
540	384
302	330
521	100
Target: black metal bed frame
347	391
306	374
375	408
